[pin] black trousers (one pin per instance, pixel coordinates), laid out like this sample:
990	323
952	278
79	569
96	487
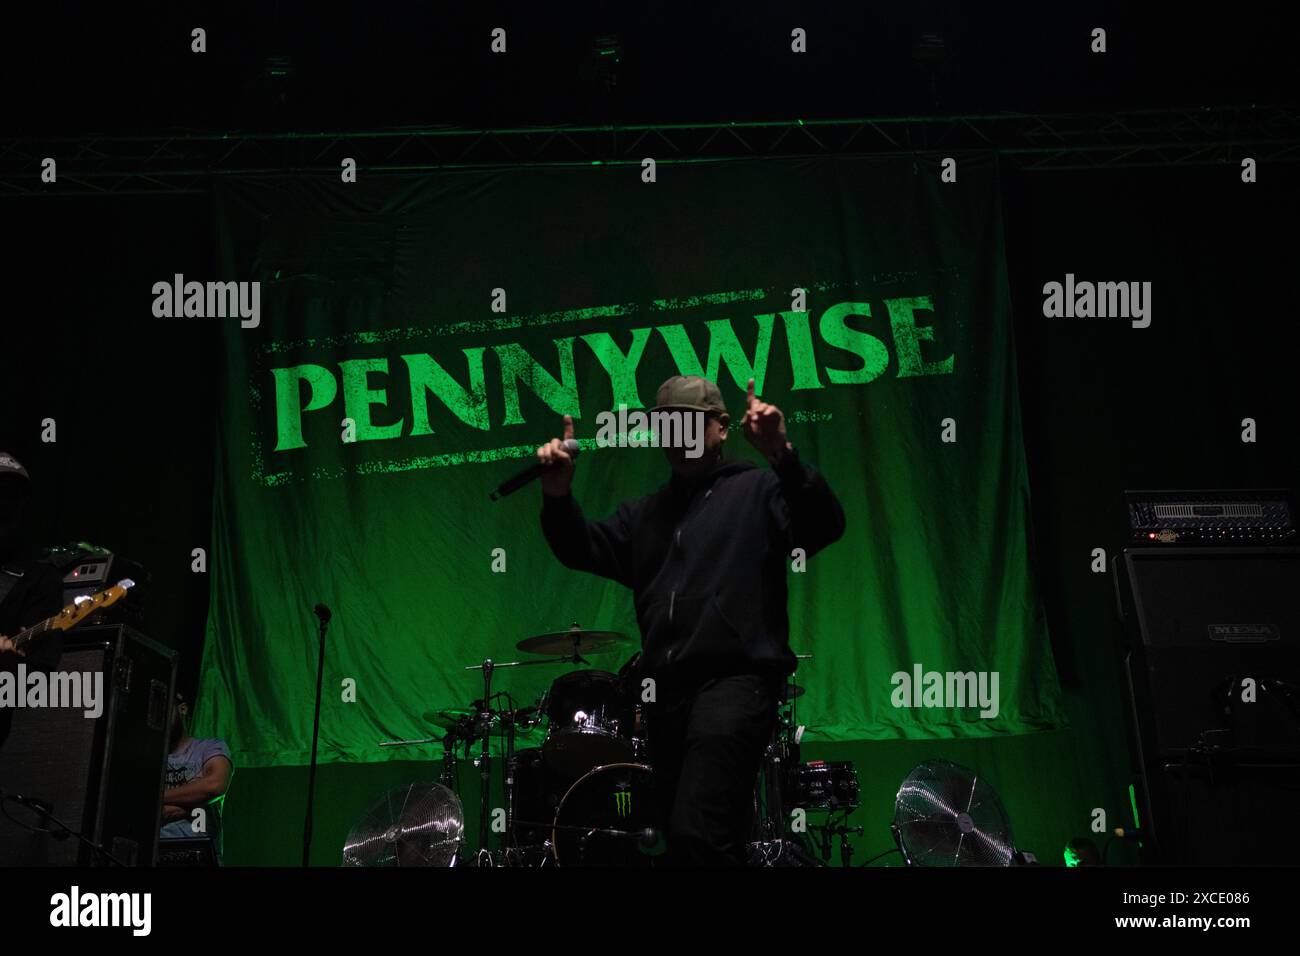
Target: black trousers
706	748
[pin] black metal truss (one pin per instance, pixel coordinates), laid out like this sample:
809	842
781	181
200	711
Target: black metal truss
185	162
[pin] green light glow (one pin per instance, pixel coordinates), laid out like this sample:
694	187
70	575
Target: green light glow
388	399
397	534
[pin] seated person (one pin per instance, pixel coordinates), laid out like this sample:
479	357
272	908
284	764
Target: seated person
198	775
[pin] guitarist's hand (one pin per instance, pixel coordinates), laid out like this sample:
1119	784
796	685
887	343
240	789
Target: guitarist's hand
7	647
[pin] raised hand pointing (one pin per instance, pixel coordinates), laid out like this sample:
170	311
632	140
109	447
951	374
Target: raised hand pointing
764	425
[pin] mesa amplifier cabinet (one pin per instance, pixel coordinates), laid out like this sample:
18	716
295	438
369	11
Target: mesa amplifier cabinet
87	790
1213	673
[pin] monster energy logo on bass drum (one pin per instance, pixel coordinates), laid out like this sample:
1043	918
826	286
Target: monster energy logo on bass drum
623	802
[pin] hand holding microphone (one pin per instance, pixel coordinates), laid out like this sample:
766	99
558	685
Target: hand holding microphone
554	466
557	458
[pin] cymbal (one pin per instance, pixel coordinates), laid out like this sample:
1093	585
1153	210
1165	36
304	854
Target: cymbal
562	642
791	691
463	718
454	717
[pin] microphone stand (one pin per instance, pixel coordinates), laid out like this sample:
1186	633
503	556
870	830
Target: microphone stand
323	613
485	761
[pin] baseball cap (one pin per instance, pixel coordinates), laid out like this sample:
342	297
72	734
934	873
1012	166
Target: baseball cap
11	466
690	392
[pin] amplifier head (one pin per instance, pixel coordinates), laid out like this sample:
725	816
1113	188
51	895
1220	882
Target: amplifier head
1211	518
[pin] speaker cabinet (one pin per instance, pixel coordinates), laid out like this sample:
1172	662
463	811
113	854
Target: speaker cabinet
64	773
1213	676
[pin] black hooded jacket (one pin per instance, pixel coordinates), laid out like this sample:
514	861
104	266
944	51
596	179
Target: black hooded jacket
706	561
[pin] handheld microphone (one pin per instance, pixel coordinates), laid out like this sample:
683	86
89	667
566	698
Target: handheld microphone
531	473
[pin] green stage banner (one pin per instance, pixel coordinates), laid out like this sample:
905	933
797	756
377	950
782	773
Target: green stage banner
415	339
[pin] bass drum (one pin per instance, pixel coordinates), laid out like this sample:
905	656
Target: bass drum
618	797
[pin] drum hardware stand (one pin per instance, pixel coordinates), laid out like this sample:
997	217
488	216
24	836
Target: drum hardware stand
450	741
449	778
577	643
582	843
484	761
412	743
511	765
833	827
771	815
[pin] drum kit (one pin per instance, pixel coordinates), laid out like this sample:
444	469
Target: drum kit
584	797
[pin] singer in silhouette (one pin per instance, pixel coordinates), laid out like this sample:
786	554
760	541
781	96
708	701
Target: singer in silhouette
706	556
198	775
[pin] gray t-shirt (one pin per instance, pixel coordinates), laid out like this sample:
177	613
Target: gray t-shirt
184	766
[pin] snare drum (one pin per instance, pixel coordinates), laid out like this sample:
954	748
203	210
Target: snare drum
821	785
